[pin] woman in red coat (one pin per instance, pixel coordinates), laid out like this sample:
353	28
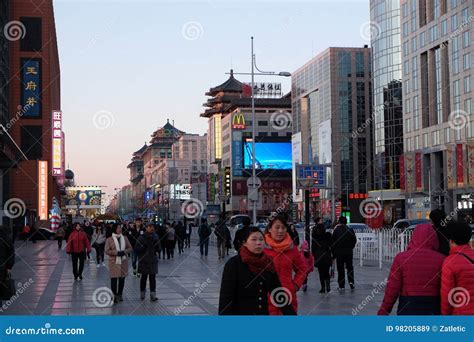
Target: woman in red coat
415	276
287	259
77	245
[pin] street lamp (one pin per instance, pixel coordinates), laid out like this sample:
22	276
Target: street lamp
252	73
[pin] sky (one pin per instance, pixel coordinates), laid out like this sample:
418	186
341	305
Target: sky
129	65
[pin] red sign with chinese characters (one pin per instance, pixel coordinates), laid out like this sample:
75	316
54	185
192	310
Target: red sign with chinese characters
402	172
418	177
459	165
57	143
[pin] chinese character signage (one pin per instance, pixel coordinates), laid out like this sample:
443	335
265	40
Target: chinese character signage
57	138
402	172
418	175
43	189
470	163
265	89
237	153
31	88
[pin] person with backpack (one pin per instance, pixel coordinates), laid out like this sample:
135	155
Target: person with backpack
343	241
204	233
457	274
321	250
147	247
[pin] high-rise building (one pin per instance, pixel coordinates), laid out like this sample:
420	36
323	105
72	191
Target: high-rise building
437	51
387	116
331	101
35	117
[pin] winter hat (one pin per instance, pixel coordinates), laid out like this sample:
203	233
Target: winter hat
305	246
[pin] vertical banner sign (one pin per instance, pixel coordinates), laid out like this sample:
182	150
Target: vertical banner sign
418	175
212	183
402	172
43	189
459	165
410	165
450	162
57	143
31	88
470	163
237	153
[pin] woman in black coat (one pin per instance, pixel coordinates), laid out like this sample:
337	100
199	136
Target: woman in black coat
147	246
248	280
321	249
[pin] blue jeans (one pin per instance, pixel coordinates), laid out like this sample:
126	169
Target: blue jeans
204	246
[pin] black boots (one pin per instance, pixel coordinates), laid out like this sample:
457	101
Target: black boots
325	285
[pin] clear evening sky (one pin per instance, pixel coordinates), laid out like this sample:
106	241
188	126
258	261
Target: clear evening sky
127	66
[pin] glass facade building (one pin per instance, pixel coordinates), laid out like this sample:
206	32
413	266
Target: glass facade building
387	92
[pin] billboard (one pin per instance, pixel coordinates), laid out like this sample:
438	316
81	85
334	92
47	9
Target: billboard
237	153
324	143
57	141
43	189
181	191
31	87
86	197
269	155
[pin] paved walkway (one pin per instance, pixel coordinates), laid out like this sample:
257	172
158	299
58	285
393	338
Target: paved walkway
186	285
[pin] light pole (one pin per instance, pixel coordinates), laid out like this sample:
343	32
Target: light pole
254	133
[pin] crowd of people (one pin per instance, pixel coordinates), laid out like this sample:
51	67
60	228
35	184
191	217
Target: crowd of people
271	266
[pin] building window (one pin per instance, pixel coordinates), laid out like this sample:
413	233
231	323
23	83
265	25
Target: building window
263	123
447	133
31	142
467	106
444	27
454	23
32	39
466	61
345	69
465	39
425	140
467	84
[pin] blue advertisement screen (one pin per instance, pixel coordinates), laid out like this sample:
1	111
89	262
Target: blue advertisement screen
268	155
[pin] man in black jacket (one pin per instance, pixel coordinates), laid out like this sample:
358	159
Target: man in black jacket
343	242
7	255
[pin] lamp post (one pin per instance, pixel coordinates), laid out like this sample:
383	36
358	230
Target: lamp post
253	73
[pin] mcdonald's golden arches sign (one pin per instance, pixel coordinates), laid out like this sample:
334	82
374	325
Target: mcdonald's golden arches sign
238	121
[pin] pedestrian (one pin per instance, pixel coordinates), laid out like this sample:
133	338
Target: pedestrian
309	260
241	233
162	237
289	263
117	247
438	220
147	246
457	275
414	277
321	250
170	241
59	236
34	231
98	243
89	230
77	246
7	259
189	230
133	236
343	242
294	235
221	234
228	242
109	230
180	236
204	233
249	279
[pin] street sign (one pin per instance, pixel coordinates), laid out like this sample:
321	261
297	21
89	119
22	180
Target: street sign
311	175
251	184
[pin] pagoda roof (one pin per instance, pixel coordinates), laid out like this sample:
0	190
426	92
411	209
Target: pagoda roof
232	85
141	150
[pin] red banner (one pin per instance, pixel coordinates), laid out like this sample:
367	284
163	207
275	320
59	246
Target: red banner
402	172
459	165
418	176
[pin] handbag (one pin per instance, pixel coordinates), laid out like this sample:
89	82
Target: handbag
7	288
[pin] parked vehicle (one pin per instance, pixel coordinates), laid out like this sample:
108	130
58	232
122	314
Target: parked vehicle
235	221
405	223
